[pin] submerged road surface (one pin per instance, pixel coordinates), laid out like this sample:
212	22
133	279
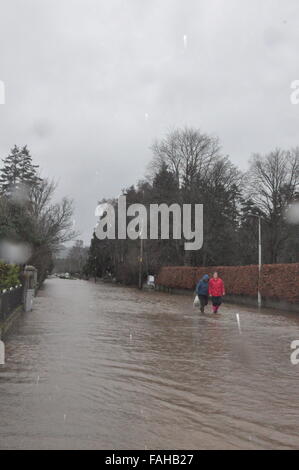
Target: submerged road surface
99	366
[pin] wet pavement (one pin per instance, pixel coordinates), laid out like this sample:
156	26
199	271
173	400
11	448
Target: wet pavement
97	366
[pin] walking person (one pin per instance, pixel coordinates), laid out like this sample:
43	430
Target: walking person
202	290
216	291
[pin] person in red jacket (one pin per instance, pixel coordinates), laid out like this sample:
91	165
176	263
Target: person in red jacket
216	291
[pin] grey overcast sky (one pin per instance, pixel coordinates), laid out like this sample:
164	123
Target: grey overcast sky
90	84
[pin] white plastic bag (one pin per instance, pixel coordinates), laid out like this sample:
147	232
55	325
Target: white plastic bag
196	301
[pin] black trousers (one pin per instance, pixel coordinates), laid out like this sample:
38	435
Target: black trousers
203	300
216	301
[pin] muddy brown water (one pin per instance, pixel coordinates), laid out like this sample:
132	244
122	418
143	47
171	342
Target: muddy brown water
96	366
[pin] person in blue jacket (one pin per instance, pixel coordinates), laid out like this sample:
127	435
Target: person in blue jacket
202	290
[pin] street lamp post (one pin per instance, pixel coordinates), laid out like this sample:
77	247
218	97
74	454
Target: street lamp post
140	277
140	264
95	269
259	297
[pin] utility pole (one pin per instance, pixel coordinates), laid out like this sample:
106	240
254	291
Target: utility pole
140	280
140	264
259	297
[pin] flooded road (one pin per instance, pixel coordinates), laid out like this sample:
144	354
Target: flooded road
96	366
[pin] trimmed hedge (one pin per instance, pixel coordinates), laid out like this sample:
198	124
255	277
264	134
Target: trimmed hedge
278	281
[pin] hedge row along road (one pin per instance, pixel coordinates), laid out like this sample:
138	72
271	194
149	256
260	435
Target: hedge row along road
278	281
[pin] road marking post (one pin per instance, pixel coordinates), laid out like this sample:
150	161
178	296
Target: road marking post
239	324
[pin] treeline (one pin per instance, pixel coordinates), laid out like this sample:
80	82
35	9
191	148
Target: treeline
74	261
188	167
32	226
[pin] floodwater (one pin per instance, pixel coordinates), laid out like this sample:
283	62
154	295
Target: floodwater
96	366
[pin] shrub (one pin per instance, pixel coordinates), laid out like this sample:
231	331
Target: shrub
9	275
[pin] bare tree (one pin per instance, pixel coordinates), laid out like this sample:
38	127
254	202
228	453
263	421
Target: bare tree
273	184
52	221
204	176
187	153
166	151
